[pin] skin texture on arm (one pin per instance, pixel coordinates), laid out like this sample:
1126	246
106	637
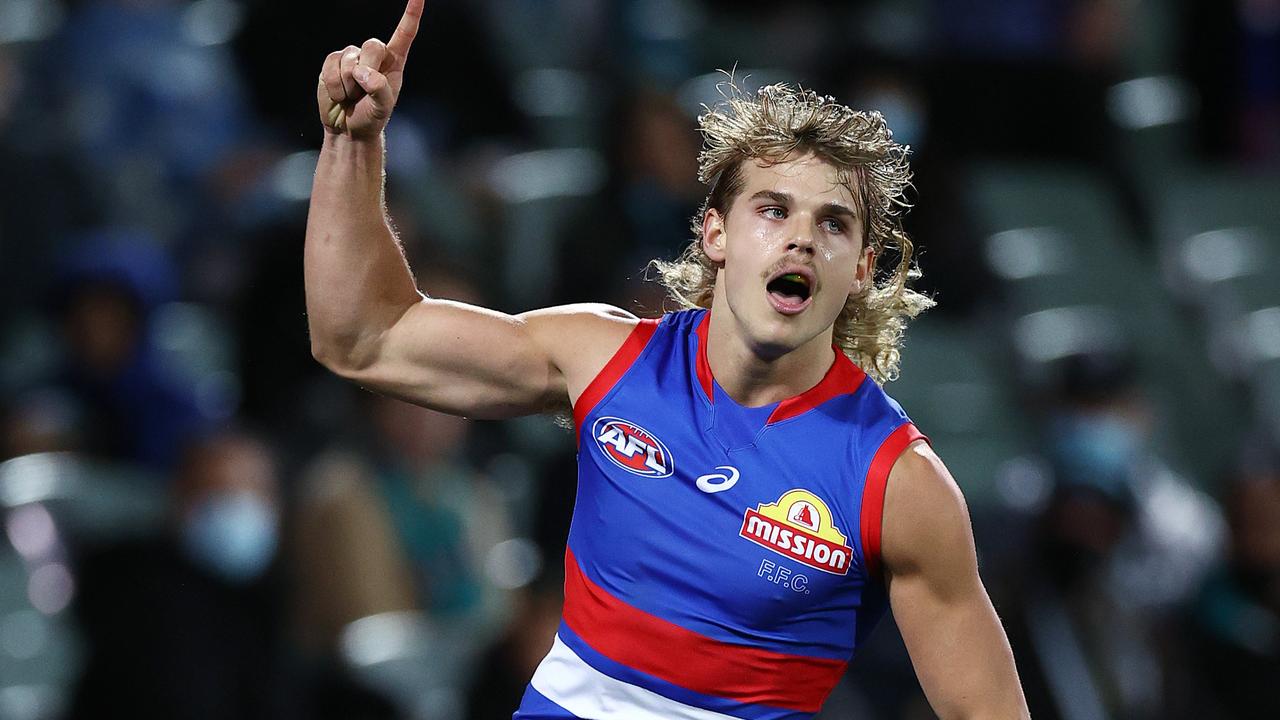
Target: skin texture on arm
368	320
957	644
358	283
466	360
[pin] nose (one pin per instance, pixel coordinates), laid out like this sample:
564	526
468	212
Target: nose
801	236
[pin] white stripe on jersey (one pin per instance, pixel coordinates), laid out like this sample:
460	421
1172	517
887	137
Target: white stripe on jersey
566	680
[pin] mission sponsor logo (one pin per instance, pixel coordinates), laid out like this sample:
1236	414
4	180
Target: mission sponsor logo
799	526
632	448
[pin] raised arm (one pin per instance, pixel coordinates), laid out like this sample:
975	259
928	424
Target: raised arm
368	320
957	644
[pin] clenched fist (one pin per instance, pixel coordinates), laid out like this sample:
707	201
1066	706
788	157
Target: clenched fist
359	86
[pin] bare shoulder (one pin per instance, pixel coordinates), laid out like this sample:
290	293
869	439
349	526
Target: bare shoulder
926	521
588	324
586	313
580	338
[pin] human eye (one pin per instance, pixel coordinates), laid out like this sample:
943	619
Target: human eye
833	225
780	213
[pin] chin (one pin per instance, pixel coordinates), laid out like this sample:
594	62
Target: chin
780	334
773	331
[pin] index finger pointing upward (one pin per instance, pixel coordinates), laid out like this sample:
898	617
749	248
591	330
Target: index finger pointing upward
402	38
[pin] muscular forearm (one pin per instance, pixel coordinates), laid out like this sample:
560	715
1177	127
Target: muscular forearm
357	281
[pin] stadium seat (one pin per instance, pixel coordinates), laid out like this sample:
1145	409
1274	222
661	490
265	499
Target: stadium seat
1219	239
420	665
1057	237
1266	397
952	385
539	191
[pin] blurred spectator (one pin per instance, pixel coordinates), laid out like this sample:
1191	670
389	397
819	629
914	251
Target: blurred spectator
1120	541
447	516
1234	652
349	563
43	199
417	522
645	210
1025	79
409	526
39	420
940	223
1231	51
406	523
135	410
657	42
1080	32
509	663
153	103
797	36
190	624
1076	643
1100	435
275	360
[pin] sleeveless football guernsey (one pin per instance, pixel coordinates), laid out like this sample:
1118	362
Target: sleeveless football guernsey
722	560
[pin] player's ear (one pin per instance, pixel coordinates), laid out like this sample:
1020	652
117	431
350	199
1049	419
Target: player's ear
713	236
865	270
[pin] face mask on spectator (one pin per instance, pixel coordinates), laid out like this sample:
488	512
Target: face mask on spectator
1096	450
234	535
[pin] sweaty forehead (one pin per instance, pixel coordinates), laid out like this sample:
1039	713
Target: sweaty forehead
806	177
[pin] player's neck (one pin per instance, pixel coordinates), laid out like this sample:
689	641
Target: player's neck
753	379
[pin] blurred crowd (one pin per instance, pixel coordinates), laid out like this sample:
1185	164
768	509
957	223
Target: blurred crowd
200	522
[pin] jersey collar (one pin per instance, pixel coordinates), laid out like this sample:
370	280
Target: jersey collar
842	378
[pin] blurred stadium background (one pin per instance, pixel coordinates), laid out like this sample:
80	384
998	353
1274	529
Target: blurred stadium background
199	522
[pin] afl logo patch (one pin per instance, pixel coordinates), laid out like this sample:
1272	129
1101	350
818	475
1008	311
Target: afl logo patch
632	448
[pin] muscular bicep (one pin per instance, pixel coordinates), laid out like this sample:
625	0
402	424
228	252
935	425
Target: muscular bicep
957	644
467	360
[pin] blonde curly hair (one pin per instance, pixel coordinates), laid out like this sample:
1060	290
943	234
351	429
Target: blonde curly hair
768	128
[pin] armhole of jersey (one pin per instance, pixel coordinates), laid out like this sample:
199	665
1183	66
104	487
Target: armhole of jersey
874	488
613	371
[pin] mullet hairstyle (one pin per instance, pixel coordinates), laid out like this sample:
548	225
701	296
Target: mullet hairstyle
782	120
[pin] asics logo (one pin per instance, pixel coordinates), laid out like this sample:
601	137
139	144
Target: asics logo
719	482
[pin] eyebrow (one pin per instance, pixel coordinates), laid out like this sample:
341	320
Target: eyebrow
829	208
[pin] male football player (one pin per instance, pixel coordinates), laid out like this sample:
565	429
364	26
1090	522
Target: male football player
749	498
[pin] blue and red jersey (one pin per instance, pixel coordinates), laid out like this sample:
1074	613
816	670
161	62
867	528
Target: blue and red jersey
723	560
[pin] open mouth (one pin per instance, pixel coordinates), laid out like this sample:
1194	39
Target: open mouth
790	292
